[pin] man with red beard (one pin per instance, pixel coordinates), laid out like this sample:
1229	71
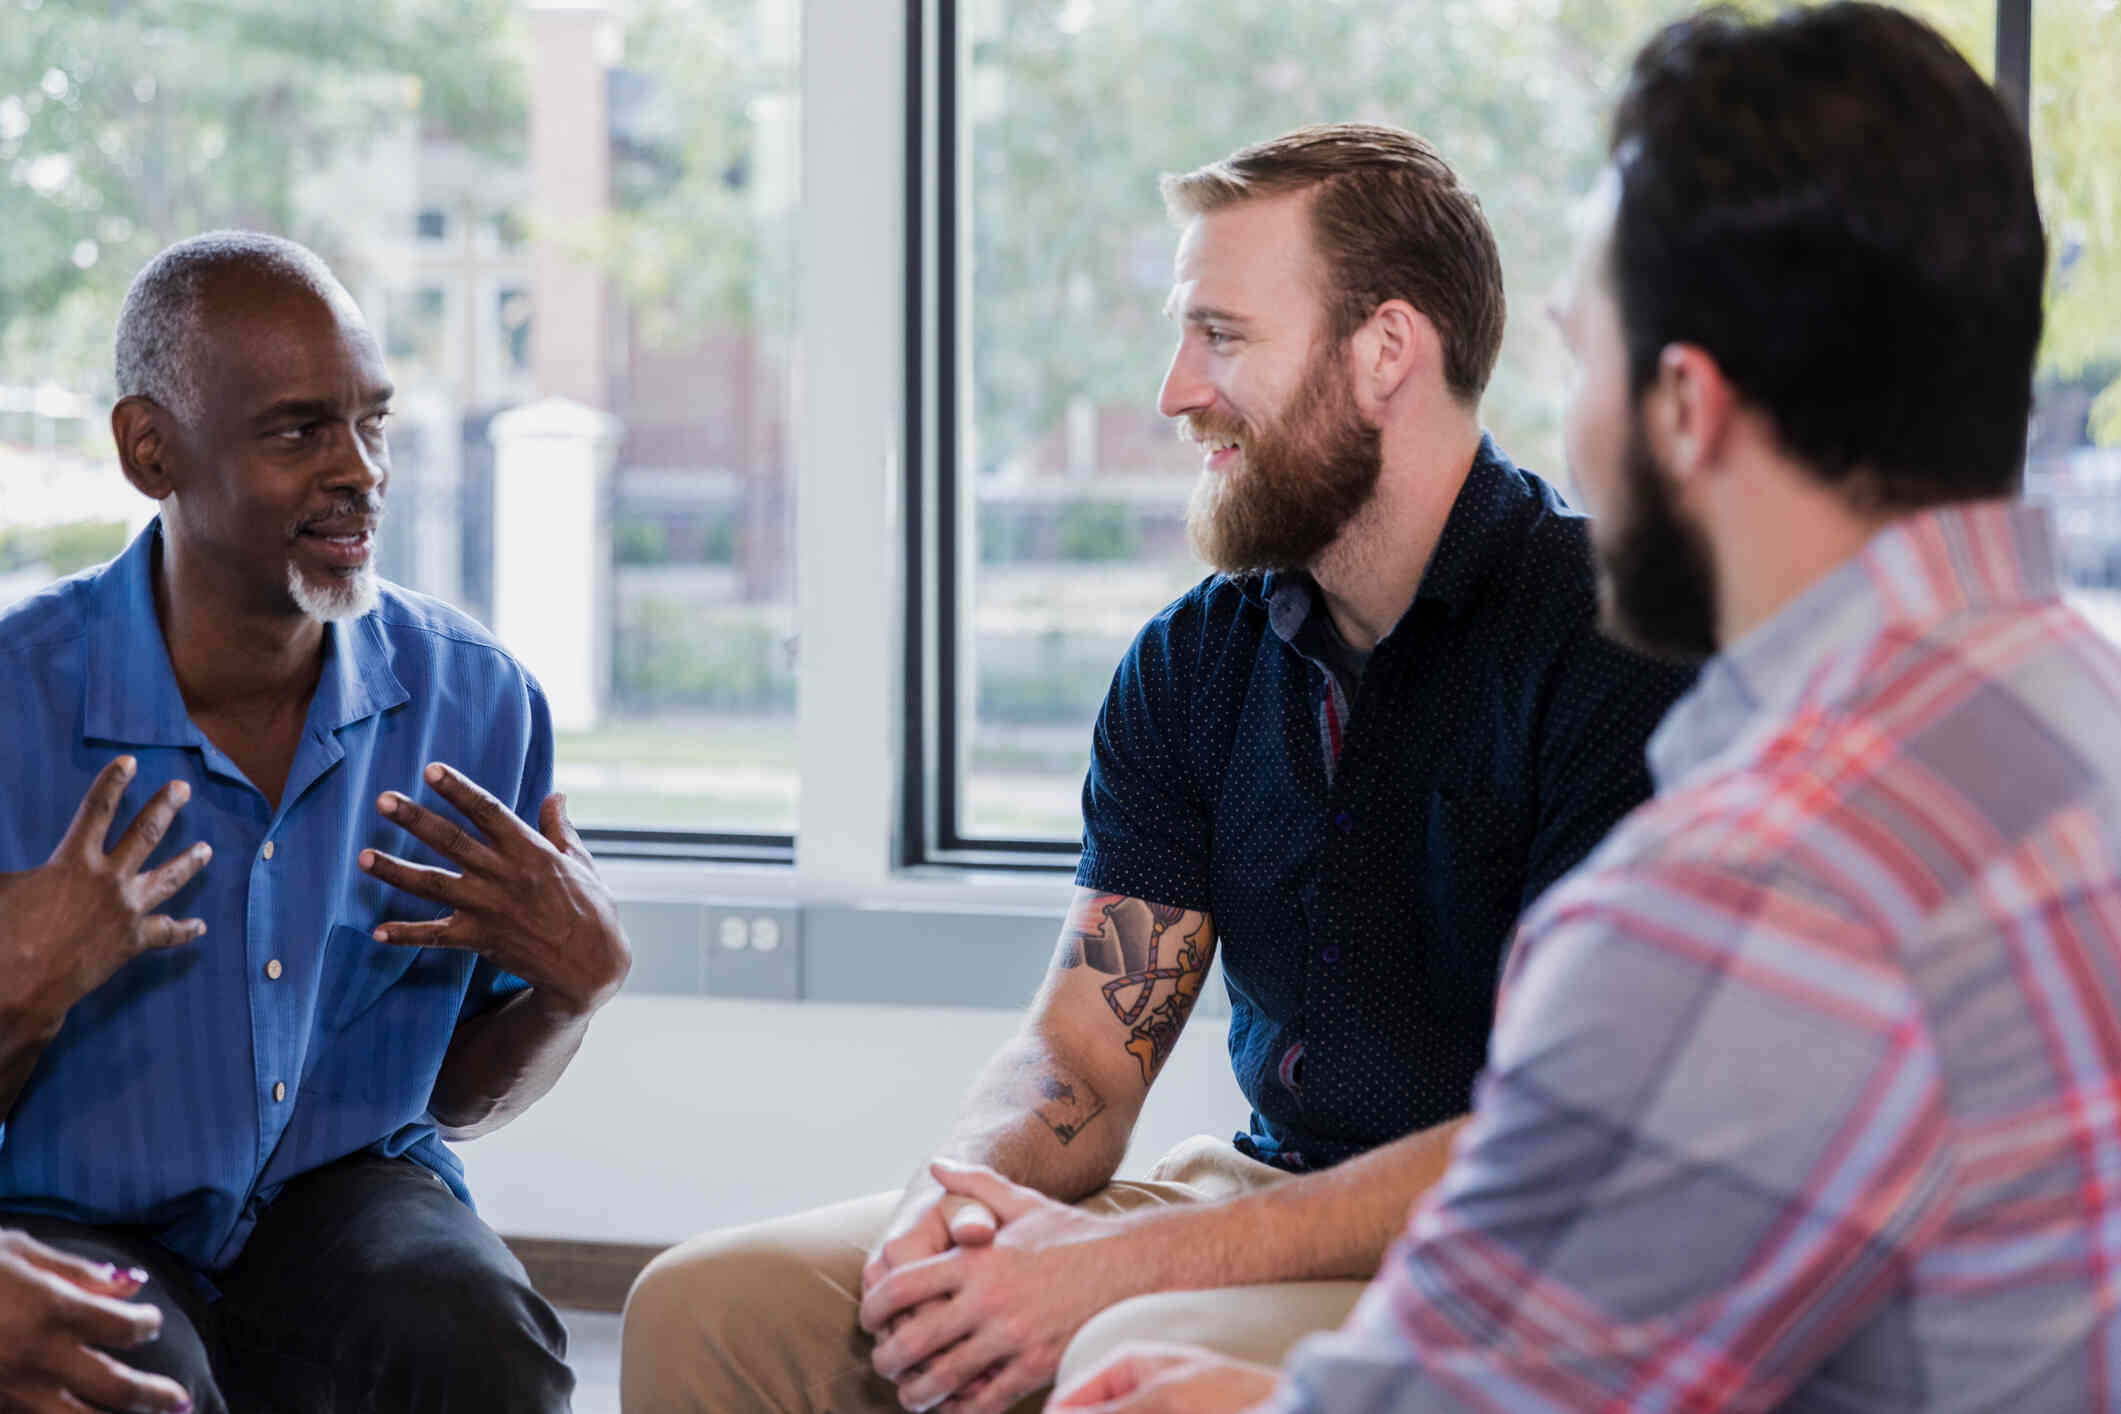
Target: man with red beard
1349	758
1802	1089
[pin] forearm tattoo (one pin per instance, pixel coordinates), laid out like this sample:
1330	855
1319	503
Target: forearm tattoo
1132	942
1067	1106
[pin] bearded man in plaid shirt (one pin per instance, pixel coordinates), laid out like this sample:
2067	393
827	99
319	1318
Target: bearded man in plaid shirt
1803	1091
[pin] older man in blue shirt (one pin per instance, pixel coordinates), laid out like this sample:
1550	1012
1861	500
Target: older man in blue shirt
232	1049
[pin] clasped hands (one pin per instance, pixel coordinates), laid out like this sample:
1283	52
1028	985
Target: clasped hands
974	1295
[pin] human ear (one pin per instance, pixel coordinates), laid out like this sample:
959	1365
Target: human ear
1689	408
1396	346
138	426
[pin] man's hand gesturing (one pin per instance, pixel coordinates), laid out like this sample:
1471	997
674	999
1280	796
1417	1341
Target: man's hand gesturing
75	919
529	901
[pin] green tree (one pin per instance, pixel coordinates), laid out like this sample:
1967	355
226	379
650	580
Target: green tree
126	124
702	231
1075	106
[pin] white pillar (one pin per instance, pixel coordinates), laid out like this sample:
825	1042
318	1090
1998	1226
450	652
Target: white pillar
552	550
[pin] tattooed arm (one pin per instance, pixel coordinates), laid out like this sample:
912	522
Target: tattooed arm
1054	1108
981	1323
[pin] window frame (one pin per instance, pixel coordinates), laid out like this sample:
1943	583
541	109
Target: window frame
930	831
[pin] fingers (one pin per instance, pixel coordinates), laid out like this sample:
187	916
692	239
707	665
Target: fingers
1003	1388
917	1335
149	826
970	1222
554	824
100	1320
99	806
104	1383
161	884
909	1286
1109	1381
1123	1372
99	1277
433	933
493	819
44	1396
159	930
925	1237
446	837
437	885
954	1371
969	1391
1004	1199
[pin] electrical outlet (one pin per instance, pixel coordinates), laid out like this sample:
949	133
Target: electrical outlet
752	948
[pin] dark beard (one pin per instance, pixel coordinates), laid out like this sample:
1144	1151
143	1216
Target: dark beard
1656	580
1299	481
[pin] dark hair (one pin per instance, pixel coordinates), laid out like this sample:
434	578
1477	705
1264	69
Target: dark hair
1392	221
1838	209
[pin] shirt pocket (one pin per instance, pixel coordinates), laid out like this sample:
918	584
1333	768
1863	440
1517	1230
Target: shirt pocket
358	973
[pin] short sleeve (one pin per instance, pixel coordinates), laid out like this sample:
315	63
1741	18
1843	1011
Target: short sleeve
1145	828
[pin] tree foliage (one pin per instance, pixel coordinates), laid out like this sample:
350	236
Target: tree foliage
702	230
126	124
1075	107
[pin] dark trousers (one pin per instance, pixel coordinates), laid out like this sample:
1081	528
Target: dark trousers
366	1288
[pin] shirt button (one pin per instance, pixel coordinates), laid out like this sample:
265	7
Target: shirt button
1343	819
279	1090
1330	952
272	970
267	851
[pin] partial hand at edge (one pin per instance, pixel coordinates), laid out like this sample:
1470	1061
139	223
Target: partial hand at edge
1149	1378
58	1315
68	925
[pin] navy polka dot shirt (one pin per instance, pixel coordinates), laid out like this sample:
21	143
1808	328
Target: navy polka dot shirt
1363	896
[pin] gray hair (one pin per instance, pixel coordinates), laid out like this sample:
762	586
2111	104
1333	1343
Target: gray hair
157	345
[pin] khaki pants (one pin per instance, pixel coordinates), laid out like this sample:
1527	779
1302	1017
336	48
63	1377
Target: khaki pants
763	1317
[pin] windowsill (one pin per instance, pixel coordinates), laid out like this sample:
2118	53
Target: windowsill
929	886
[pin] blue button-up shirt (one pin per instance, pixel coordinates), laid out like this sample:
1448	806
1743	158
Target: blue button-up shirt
1365	856
161	1103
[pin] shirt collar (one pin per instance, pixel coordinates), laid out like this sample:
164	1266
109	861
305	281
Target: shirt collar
1457	566
1472	537
1918	571
130	690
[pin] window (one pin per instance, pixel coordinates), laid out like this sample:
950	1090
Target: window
2075	459
1058	516
600	205
530	205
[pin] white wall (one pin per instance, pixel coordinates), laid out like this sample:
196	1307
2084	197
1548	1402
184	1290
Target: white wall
686	1113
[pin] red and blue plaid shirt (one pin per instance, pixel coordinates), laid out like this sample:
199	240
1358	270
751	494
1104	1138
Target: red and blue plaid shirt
1805	1090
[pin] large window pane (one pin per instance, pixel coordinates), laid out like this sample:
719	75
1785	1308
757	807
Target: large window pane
1074	487
531	204
2075	462
1077	486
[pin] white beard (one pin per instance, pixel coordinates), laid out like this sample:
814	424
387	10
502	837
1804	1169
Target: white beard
336	600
